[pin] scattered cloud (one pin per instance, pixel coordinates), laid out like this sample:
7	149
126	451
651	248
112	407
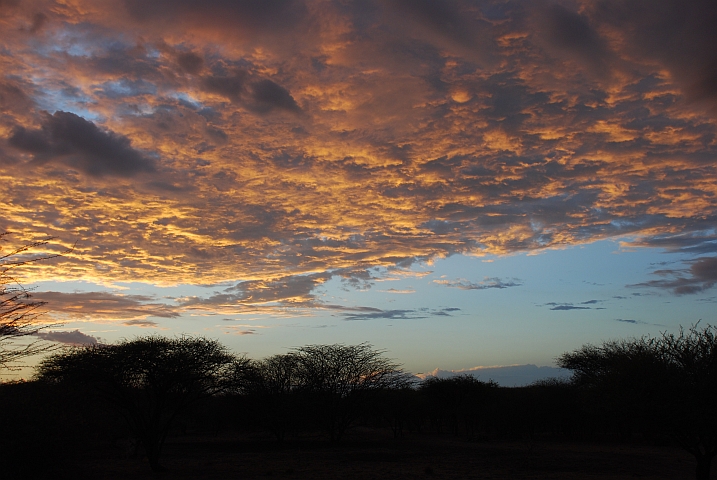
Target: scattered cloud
482	285
700	276
140	323
132	309
374	313
277	145
399	291
74	337
586	305
568	306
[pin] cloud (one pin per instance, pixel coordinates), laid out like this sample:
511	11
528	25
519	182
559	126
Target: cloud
566	306
289	289
679	36
134	309
140	323
190	62
301	141
701	276
74	337
483	285
13	98
231	86
258	95
267	95
384	314
374	313
399	291
79	143
569	307
571	33
240	15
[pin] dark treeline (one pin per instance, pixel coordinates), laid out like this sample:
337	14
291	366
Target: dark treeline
134	396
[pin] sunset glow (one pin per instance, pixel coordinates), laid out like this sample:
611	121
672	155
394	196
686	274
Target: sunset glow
460	183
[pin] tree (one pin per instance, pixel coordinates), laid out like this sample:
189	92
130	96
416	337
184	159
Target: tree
668	382
19	313
340	379
460	401
150	381
273	388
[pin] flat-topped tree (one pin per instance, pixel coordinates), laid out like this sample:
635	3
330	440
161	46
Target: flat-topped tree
151	381
668	382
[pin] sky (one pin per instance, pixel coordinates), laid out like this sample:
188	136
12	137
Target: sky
463	184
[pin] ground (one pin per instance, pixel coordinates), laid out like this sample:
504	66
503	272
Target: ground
374	455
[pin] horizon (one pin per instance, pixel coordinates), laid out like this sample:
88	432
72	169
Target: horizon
463	185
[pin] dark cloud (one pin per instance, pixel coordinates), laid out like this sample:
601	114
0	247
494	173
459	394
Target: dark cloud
231	86
267	95
74	337
118	60
457	25
569	307
260	96
678	34
248	15
190	62
7	4
38	21
79	143
696	240
571	32
13	98
701	276
565	306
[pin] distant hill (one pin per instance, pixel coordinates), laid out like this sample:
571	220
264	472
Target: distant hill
505	376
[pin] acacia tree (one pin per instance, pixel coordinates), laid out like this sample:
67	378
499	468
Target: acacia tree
273	387
150	381
670	380
19	313
340	381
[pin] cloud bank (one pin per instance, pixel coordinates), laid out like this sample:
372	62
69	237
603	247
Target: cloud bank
277	144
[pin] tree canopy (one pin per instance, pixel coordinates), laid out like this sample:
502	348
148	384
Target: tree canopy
150	380
669	382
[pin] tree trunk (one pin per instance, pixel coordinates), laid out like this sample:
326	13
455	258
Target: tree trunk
153	448
704	462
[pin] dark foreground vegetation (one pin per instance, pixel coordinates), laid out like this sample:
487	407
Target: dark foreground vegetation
187	408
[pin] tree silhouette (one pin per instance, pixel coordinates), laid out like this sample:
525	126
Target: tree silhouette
273	389
670	380
150	381
339	380
19	313
459	401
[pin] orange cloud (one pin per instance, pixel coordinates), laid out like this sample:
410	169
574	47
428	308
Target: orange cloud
202	142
